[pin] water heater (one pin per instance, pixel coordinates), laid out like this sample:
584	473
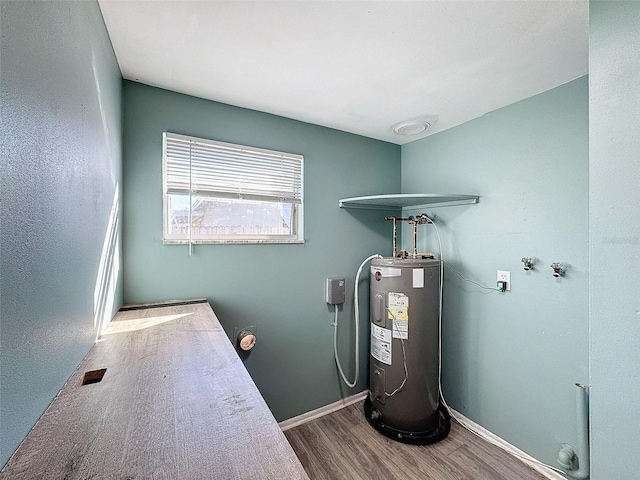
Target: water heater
404	402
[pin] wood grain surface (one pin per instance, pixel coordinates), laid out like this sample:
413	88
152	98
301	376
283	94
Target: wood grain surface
175	402
342	445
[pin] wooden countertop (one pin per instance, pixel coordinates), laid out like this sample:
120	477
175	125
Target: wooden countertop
175	402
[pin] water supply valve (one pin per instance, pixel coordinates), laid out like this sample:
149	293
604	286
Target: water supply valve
558	269
528	263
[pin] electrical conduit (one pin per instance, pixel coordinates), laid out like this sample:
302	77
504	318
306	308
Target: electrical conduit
356	320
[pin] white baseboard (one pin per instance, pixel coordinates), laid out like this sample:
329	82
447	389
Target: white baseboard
528	459
319	412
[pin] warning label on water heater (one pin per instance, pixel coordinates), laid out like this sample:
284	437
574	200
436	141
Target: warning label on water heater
399	314
381	344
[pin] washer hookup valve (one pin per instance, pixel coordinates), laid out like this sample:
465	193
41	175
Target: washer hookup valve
528	263
558	269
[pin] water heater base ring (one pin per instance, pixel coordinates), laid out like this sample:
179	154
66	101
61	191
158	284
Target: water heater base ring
439	432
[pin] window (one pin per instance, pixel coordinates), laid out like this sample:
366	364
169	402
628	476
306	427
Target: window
223	193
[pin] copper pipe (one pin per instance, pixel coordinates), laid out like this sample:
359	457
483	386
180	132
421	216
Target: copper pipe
395	235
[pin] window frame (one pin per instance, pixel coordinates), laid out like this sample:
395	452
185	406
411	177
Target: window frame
297	209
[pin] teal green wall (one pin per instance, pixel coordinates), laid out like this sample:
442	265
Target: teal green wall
278	288
61	136
614	238
511	359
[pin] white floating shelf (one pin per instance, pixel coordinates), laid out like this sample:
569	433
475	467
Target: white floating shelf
405	200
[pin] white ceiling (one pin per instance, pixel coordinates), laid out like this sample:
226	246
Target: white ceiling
357	66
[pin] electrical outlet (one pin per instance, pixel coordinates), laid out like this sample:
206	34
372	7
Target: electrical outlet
504	276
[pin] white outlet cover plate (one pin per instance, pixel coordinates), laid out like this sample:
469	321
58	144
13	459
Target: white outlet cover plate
504	276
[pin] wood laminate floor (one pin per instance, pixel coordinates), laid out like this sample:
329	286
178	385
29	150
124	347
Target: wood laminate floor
342	445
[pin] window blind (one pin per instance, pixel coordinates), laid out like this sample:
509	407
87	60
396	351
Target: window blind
223	170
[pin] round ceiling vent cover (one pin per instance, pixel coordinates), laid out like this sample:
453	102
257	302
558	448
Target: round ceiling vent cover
412	127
